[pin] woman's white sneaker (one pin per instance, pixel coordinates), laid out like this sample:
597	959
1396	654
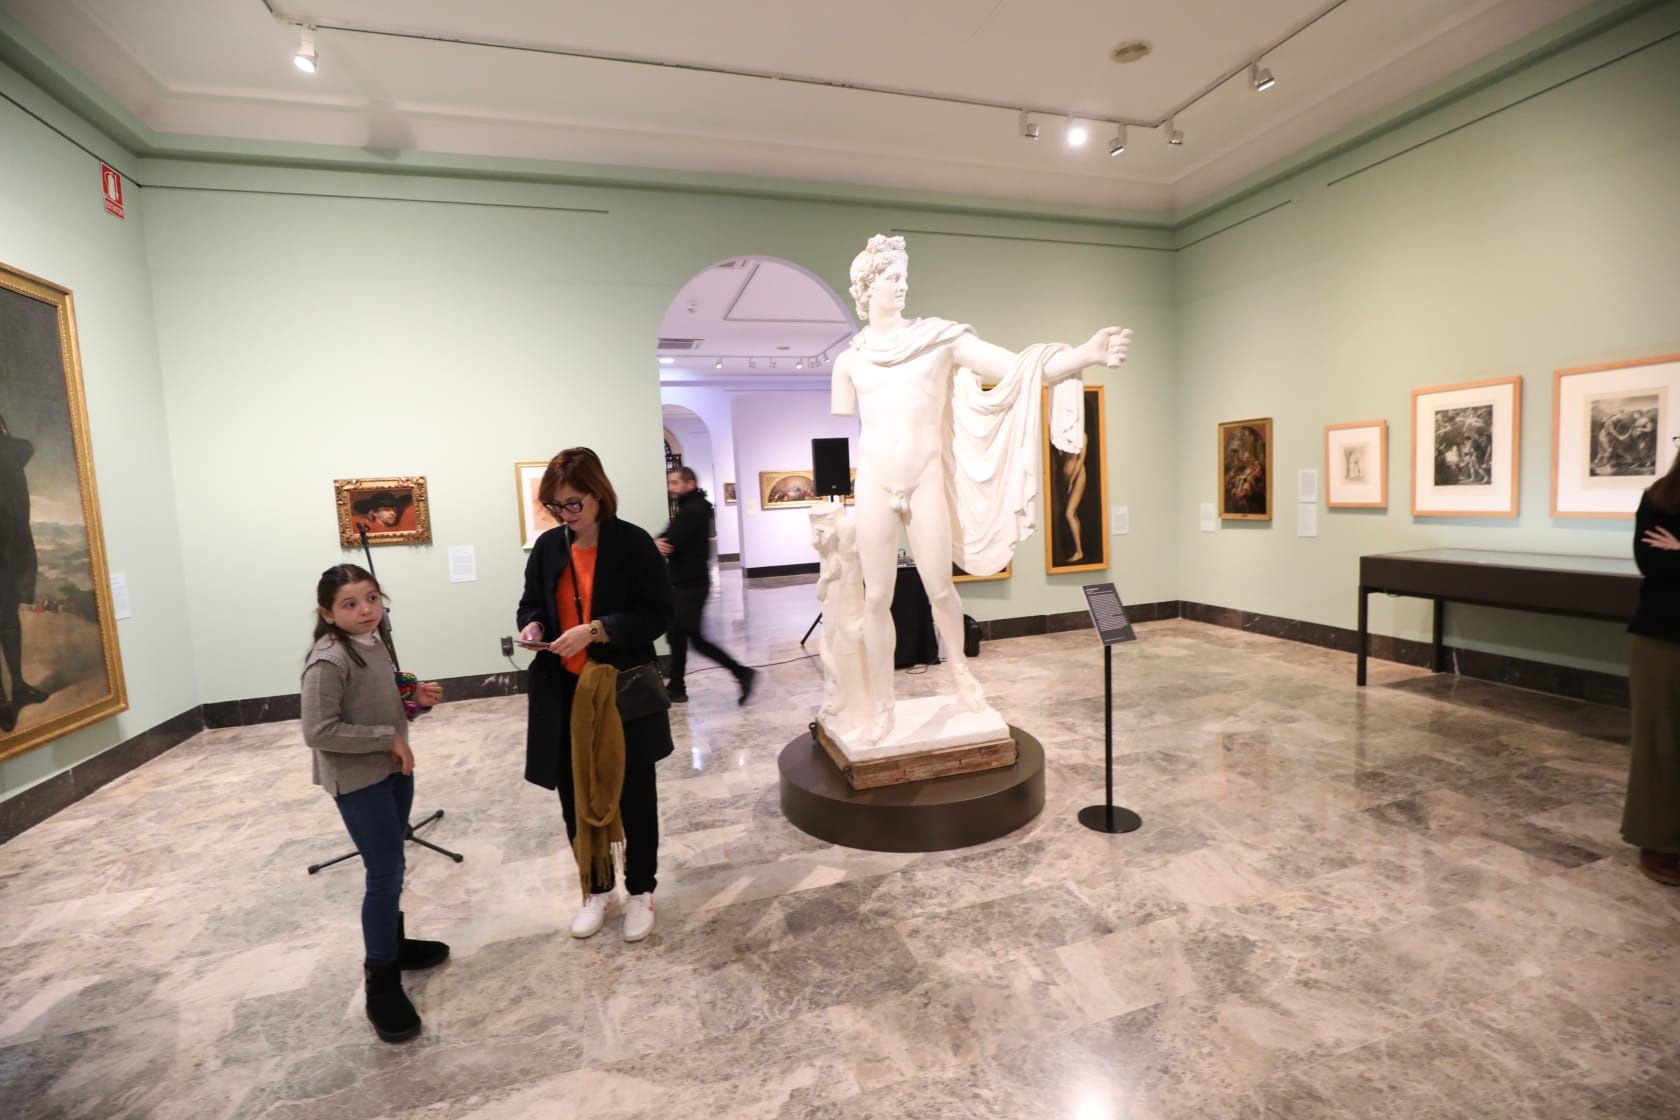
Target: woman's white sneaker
593	915
638	917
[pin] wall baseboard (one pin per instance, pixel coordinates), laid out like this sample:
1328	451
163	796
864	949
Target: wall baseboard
31	806
782	570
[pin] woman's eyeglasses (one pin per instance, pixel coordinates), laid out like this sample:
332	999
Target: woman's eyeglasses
570	505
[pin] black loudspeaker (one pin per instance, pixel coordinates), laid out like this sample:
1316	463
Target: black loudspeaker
831	466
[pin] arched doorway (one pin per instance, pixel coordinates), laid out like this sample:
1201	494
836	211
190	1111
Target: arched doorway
746	347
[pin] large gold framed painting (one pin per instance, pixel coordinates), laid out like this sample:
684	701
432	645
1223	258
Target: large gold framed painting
58	641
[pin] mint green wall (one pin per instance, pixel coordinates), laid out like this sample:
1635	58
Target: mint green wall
311	326
53	224
1527	228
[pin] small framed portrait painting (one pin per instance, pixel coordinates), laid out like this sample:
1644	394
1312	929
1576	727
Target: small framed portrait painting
1245	470
391	510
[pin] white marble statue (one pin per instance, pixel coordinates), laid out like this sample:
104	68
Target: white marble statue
952	464
845	705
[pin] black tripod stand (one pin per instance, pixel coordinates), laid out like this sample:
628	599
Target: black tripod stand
437	815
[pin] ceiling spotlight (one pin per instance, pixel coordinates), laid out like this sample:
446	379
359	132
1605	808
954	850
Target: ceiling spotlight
1076	134
1261	80
825	357
305	58
1118	144
772	363
718	364
752	363
1174	136
800	364
1029	127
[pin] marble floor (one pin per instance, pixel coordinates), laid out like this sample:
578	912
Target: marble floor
1405	901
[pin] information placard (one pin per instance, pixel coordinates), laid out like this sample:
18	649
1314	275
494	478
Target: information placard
1108	615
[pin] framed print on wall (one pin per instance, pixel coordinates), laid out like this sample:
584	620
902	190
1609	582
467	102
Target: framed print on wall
1245	470
786	489
393	510
729	493
1466	442
1356	465
1613	429
1076	495
534	520
55	598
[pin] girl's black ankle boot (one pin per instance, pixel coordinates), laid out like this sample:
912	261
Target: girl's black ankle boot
393	1017
418	954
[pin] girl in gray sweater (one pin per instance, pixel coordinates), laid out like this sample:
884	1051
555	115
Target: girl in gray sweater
354	723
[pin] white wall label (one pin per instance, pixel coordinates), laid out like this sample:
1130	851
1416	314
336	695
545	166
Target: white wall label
1120	520
1306	486
463	565
1210	517
1306	519
120	606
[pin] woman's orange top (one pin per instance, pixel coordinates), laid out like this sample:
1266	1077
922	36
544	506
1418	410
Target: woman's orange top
581	569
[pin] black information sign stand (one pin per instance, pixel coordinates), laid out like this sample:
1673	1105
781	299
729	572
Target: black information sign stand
1113	627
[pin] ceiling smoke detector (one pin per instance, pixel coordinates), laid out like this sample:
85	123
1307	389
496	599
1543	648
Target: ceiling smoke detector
1131	50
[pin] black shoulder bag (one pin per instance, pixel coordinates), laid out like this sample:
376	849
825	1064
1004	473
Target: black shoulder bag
641	692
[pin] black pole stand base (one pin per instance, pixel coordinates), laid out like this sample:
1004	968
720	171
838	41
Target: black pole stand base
412	829
1109	818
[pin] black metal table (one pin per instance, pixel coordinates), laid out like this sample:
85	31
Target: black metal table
1602	587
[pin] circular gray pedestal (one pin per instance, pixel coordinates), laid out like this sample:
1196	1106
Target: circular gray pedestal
929	816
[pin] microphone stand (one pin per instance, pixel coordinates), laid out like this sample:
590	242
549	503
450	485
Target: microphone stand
437	815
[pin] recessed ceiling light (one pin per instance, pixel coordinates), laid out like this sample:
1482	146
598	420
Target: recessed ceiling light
1131	50
666	361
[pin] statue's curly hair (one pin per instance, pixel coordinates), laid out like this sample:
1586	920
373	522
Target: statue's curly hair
869	264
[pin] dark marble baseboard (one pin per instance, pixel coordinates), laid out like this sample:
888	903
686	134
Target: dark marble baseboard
29	807
1024	625
1537	676
729	558
782	570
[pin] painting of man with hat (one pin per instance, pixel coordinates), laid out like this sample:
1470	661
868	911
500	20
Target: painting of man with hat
391	510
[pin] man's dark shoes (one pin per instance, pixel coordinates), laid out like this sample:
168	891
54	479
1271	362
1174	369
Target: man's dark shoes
393	1017
1664	867
746	680
8	716
28	694
418	954
678	693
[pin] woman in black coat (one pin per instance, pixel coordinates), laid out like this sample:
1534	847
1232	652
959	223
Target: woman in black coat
621	579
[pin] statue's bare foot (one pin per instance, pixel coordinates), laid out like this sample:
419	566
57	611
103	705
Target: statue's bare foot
969	692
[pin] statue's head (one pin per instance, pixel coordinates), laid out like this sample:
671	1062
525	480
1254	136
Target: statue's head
867	265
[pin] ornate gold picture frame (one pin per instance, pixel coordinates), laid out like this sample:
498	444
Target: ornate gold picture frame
1075	491
55	588
1245	470
393	510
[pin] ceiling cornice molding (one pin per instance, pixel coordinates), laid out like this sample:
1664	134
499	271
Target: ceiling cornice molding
133	139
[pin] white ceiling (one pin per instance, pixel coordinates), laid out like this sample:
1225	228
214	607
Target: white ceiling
747	313
223	68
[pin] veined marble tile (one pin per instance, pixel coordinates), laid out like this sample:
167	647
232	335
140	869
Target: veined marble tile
1404	900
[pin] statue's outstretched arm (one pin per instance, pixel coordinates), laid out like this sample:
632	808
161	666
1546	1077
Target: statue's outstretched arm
1105	348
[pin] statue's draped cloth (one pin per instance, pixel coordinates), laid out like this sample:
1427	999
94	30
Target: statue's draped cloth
992	454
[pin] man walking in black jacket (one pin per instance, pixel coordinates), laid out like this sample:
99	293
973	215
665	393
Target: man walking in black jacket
686	544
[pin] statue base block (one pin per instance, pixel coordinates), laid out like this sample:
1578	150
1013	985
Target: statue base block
932	737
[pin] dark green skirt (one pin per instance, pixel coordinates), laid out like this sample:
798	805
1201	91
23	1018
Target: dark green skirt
1651	817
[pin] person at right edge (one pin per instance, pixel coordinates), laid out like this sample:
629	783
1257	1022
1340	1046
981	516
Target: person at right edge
686	544
1651	815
